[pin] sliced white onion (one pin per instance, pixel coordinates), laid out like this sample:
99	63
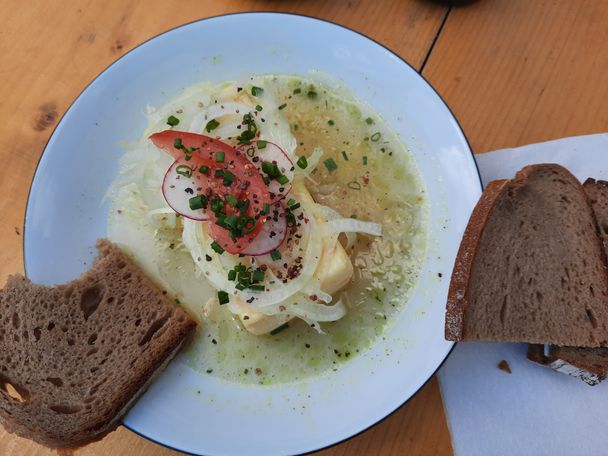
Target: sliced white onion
311	259
271	236
198	242
301	306
349	225
312	161
157	215
215	111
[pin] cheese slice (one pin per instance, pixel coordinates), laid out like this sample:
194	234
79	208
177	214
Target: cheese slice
334	271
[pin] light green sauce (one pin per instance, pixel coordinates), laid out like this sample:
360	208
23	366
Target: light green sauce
387	189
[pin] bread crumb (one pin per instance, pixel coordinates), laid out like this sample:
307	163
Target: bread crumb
504	366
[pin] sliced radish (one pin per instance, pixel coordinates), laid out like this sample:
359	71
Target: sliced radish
178	188
272	153
272	234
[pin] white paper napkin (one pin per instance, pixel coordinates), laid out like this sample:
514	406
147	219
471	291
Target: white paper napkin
533	410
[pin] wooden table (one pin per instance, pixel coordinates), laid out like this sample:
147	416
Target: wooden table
513	71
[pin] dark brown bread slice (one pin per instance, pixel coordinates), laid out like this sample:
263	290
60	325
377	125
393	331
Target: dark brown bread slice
79	355
588	364
531	267
597	192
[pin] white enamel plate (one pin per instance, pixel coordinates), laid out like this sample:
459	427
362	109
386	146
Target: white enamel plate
198	413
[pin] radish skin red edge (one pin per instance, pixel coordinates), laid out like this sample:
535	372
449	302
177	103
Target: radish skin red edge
272	234
272	153
178	189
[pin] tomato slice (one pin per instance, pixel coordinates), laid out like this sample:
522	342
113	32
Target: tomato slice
235	193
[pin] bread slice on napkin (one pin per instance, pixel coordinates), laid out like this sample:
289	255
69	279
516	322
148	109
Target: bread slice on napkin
588	364
74	358
531	267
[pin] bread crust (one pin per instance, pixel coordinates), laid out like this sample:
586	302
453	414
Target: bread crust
142	353
458	291
458	299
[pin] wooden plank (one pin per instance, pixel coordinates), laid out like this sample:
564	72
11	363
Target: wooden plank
518	71
52	49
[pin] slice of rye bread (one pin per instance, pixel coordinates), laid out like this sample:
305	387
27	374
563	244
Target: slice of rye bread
588	364
531	267
74	358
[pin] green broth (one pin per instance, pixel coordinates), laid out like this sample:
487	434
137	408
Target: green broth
375	179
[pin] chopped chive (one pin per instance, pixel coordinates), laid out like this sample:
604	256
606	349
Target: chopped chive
232	275
255	91
184	170
330	122
240	286
354	185
245	277
177	143
291	219
212	125
223	297
376	136
297	91
302	162
172	121
243	205
231	221
219	173
295	206
312	94
231	200
258	108
282	179
257	276
261	144
271	169
266	209
291	202
283	106
217	248
330	164
228	178
365	160
252	227
369	121
220	157
204	169
198	202
344	155
256	287
278	329
275	255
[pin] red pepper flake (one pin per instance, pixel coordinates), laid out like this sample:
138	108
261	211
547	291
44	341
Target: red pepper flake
365	179
313	297
258	371
282	308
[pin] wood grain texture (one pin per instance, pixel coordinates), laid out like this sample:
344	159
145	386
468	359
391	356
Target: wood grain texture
52	49
517	72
